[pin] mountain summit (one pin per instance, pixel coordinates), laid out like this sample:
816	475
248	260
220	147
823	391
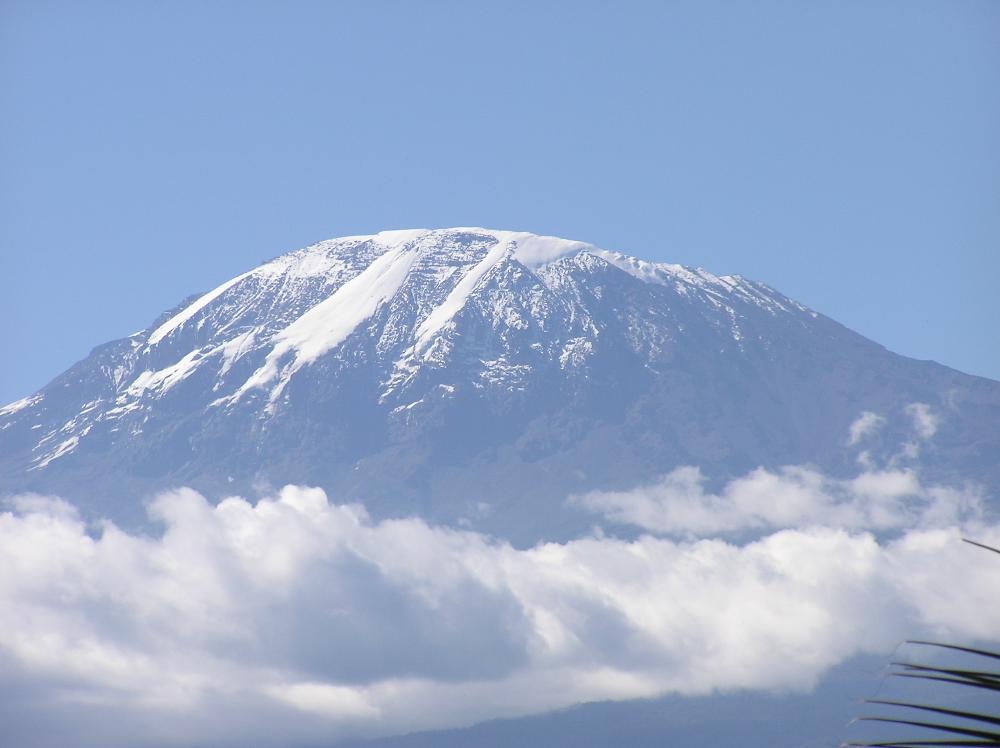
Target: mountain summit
472	376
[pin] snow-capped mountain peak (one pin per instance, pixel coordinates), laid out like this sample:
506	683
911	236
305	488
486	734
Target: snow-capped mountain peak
325	292
399	350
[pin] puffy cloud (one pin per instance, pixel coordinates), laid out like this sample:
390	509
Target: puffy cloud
881	498
793	496
295	621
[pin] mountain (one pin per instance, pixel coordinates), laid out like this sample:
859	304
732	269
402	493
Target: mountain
475	377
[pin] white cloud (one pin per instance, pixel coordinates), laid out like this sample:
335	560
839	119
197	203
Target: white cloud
325	699
295	620
925	423
790	497
921	423
865	424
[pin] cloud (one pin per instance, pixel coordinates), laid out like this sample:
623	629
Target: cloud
881	498
920	425
297	621
865	424
793	496
925	423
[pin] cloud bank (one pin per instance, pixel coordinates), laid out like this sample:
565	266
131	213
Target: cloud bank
887	495
297	621
793	496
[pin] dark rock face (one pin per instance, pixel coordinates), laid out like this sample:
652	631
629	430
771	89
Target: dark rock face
478	377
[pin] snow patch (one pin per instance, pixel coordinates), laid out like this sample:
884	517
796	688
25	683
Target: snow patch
233	349
575	352
64	448
408	406
189	311
400	237
531	250
24	402
330	322
166	378
453	303
647	272
534	251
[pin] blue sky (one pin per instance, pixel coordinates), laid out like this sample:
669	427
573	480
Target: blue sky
846	153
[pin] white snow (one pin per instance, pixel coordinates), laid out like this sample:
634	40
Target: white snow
408	406
90	406
63	448
164	379
307	330
531	250
21	404
443	313
534	251
167	377
314	263
575	352
400	236
236	347
663	273
192	309
328	324
647	272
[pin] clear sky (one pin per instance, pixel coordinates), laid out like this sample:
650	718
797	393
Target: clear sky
846	153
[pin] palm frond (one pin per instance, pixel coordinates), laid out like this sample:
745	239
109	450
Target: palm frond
967	724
